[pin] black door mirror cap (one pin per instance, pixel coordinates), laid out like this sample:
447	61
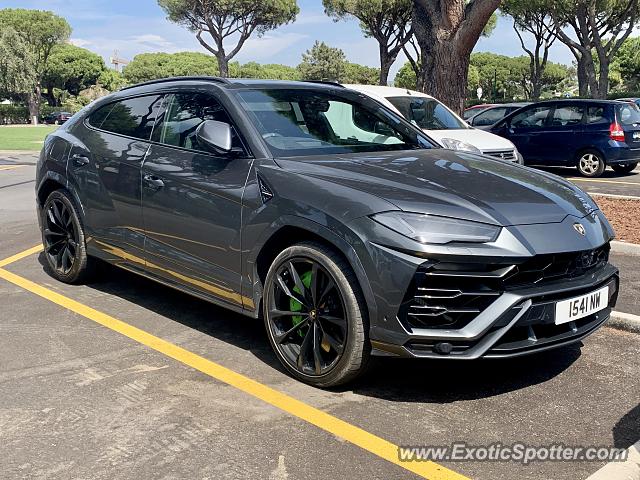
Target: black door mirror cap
215	136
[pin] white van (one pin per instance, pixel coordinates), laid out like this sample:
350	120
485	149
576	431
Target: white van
440	123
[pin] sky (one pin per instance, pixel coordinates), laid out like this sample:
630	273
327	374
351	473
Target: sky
139	26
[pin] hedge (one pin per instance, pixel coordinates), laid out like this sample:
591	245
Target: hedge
17	114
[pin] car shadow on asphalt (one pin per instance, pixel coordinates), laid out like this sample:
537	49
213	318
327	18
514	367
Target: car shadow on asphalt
442	381
626	431
392	379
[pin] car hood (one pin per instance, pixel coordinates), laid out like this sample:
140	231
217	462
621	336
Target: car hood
485	141
454	184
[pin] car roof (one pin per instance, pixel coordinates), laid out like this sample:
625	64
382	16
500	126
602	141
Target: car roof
512	104
235	83
578	100
386	92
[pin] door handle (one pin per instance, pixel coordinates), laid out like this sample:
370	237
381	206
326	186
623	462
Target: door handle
154	182
80	160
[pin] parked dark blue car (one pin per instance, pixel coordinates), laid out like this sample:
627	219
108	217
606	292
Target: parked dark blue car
587	134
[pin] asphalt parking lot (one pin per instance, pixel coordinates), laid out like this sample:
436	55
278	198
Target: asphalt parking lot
85	395
609	183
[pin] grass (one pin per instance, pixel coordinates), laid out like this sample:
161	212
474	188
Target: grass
24	137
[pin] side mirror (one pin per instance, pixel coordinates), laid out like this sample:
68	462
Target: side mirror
215	136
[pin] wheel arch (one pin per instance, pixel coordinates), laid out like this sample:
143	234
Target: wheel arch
299	230
54	181
590	148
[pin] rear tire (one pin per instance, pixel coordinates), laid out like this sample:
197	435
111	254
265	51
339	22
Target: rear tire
64	240
315	316
591	164
624	168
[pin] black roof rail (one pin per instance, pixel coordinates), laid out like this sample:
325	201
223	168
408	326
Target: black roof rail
325	82
176	79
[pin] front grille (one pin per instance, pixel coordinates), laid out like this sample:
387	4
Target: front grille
507	155
451	294
546	268
537	328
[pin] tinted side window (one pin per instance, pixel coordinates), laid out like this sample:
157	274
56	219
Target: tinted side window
597	116
185	113
531	118
489	117
97	118
133	117
567	116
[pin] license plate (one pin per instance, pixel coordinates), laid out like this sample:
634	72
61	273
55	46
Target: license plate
636	135
582	306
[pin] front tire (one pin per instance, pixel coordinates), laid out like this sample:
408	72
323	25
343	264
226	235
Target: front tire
63	239
624	168
315	316
591	164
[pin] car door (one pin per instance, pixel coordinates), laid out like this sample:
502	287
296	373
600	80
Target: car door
524	130
106	172
563	134
191	201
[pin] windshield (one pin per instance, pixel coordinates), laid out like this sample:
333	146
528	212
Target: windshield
427	113
297	122
628	114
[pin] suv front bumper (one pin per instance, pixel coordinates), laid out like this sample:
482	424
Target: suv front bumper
517	322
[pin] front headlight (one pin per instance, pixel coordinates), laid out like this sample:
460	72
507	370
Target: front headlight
437	230
453	144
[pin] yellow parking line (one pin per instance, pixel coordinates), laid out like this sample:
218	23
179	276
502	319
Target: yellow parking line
20	256
602	181
355	435
10	167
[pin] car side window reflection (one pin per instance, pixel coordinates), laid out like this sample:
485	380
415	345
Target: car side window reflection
184	114
133	117
597	116
567	116
489	117
531	118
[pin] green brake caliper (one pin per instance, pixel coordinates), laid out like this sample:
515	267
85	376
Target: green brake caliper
295	305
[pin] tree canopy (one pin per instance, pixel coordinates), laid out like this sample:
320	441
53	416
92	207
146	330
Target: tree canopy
322	62
602	26
150	66
387	21
627	62
224	20
72	68
39	31
17	72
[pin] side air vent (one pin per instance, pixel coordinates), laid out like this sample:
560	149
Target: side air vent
265	191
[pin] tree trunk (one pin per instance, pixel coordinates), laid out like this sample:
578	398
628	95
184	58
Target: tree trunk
583	81
34	105
385	65
447	31
603	81
536	89
444	75
223	64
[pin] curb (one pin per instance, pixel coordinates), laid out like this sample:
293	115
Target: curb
624	321
625	248
612	195
627	470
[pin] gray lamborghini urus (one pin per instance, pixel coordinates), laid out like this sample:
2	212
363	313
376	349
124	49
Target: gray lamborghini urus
342	226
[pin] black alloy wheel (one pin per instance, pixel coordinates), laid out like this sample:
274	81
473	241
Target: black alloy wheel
63	239
313	316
